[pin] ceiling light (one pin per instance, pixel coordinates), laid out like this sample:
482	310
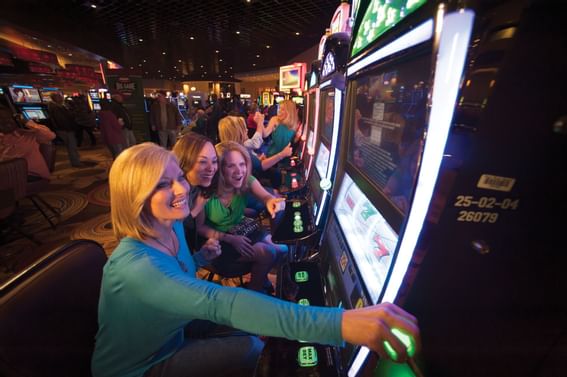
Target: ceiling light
201	66
49	46
179	61
139	65
163	53
217	51
254	65
268	46
220	60
191	37
237	32
296	33
93	6
144	60
257	56
70	54
141	40
159	70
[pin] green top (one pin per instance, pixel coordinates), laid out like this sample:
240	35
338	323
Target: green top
281	136
147	299
223	218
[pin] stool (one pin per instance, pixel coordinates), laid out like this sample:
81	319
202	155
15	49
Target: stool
236	270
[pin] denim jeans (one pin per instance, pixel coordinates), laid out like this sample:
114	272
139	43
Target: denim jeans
167	138
70	141
211	351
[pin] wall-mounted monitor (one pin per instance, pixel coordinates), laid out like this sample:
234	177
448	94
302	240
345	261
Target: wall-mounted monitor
24	94
389	118
34	113
292	76
370	238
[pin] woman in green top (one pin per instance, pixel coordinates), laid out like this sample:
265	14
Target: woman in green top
225	209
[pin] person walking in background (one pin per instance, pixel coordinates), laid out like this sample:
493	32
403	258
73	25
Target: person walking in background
124	118
85	118
110	129
166	120
64	125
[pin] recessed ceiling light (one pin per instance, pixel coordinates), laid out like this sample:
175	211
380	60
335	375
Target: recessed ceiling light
254	65
159	70
237	32
201	66
191	37
49	46
268	46
141	39
70	54
220	60
296	33
217	51
144	60
179	60
93	6
163	53
257	56
139	65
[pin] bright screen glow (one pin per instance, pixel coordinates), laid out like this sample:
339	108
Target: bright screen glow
322	160
311	142
35	113
328	116
381	16
297	100
371	240
390	120
25	95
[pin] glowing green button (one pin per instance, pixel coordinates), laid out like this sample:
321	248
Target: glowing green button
301	276
296	204
297	228
303	301
297	222
307	356
406	339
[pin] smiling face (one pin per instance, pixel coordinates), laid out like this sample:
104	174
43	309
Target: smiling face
234	169
168	202
204	168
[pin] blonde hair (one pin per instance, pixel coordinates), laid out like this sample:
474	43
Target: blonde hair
233	128
290	120
223	149
133	178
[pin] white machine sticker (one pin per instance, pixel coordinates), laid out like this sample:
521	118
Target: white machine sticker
494	182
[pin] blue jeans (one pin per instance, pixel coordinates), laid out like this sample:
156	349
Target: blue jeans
70	141
211	351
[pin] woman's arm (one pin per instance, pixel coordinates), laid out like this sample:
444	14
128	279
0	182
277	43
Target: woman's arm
270	127
272	203
43	135
255	142
268	162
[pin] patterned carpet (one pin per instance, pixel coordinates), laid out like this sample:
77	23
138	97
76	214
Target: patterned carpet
82	197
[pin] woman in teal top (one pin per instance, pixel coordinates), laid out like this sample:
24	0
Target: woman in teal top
225	209
283	128
150	298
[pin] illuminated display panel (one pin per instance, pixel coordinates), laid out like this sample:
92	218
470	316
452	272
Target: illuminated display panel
328	115
45	94
25	95
370	238
35	113
380	16
298	100
390	119
322	160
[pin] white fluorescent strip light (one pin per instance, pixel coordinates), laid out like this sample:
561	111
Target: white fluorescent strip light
358	361
320	209
453	45
336	123
420	34
325	84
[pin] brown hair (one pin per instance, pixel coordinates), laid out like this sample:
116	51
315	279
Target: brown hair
223	149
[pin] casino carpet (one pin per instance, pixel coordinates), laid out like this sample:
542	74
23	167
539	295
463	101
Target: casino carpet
82	197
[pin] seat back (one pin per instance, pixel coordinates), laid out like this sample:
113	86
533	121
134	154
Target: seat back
13	175
48	313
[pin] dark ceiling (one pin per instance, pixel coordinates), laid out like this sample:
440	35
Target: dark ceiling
181	40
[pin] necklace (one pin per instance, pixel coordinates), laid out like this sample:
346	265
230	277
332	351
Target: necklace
173	252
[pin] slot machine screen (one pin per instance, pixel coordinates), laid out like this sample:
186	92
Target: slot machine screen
389	123
278	99
322	160
298	100
311	110
46	93
96	106
25	95
34	113
328	114
370	238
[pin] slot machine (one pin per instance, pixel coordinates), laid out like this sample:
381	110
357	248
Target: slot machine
26	100
435	186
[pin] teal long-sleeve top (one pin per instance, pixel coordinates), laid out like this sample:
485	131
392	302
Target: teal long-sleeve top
147	299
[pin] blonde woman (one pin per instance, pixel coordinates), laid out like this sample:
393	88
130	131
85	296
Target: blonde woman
151	302
233	128
283	128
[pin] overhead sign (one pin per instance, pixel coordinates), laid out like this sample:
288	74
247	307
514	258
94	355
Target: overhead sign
328	65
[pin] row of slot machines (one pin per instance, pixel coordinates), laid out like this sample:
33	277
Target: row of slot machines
431	163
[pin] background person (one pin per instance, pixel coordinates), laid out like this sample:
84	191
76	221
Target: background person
124	119
166	120
65	128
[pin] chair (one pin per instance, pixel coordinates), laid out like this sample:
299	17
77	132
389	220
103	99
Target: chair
48	313
12	188
236	270
35	187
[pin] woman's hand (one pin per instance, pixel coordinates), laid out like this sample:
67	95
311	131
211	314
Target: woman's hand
373	325
286	152
242	244
259	119
274	205
211	249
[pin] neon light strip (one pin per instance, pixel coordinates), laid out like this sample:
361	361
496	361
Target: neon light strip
358	361
336	124
315	129
420	34
323	204
453	45
22	86
325	84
